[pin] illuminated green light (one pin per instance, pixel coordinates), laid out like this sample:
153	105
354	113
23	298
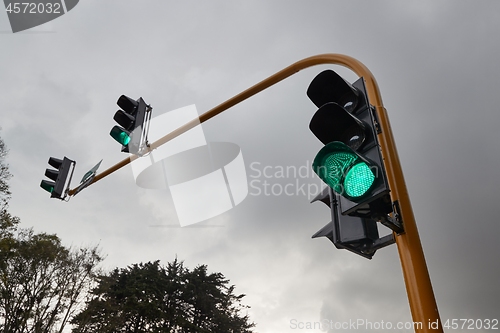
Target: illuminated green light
334	167
47	186
359	180
124	138
343	170
120	135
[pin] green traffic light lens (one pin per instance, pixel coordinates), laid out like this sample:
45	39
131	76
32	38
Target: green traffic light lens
120	135
344	170
47	186
334	166
358	180
124	138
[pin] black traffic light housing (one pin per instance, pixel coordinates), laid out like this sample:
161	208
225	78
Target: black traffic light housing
57	187
352	166
131	118
345	116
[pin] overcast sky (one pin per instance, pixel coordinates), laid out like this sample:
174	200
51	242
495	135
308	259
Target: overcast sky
436	63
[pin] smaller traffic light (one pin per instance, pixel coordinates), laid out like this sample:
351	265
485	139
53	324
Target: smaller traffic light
131	119
57	187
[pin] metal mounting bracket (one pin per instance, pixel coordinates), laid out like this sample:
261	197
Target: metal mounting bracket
395	223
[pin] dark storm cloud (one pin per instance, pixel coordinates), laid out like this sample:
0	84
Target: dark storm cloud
434	62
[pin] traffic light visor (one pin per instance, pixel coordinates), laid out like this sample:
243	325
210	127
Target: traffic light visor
334	123
328	87
127	104
55	162
120	135
52	174
344	170
124	119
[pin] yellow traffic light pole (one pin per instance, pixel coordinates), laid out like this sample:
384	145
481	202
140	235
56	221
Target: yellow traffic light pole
423	305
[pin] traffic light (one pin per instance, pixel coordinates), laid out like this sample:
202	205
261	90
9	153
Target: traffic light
56	188
131	119
350	162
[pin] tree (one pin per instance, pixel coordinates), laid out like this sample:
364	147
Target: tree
7	222
42	282
153	298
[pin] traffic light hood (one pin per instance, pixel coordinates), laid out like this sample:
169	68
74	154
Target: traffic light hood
334	123
127	104
328	87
